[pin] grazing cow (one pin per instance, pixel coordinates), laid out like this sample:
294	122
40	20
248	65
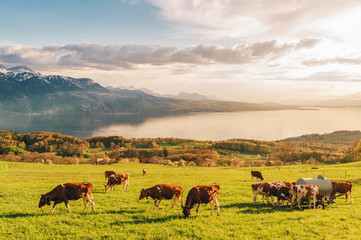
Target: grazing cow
163	191
69	191
108	174
343	188
144	171
305	191
117	179
262	188
202	194
257	174
281	190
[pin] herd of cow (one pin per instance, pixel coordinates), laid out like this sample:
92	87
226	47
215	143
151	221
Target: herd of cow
74	191
291	192
197	195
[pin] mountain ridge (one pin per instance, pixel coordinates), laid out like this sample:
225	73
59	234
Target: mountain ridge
25	91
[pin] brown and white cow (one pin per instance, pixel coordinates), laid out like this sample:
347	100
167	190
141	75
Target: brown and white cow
342	188
108	174
262	188
281	190
309	192
69	191
117	179
144	171
202	194
257	174
163	191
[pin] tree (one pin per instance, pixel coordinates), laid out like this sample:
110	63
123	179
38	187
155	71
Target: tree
285	150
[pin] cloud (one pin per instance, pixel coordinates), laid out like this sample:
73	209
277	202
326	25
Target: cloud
113	57
250	19
325	76
338	60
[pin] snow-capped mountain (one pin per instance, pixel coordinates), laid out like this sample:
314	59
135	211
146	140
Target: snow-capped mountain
26	81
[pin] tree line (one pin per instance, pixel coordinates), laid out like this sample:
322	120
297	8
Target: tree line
56	148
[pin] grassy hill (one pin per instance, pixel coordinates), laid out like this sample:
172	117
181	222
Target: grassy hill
121	215
345	137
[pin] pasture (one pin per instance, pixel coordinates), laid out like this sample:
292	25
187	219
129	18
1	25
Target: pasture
120	215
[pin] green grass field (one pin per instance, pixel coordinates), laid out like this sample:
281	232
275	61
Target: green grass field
120	215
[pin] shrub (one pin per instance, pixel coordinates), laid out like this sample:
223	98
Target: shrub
192	164
181	163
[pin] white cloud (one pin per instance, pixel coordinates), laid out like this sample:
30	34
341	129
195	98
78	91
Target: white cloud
132	56
252	19
337	60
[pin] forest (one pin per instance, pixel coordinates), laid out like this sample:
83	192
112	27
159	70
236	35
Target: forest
54	148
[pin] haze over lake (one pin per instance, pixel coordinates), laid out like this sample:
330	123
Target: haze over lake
260	125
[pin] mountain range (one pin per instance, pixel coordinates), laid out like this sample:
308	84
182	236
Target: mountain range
26	91
181	95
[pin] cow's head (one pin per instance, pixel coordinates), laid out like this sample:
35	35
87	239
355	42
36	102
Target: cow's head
106	188
286	192
143	194
186	212
44	200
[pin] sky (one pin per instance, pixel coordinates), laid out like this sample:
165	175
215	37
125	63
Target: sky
283	51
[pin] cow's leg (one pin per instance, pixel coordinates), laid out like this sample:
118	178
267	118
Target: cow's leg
217	203
85	201
174	201
54	206
125	186
272	199
180	200
67	205
267	196
197	210
93	204
212	206
156	204
292	200
299	203
351	196
254	197
346	196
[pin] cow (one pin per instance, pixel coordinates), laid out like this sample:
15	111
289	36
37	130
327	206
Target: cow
262	188
257	174
144	171
309	192
117	179
108	174
281	190
202	194
69	191
343	188
163	191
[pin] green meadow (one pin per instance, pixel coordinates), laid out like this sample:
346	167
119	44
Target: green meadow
120	215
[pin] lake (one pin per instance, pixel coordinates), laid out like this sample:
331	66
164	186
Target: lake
260	125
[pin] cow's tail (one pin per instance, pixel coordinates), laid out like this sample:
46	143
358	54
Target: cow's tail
216	191
179	194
